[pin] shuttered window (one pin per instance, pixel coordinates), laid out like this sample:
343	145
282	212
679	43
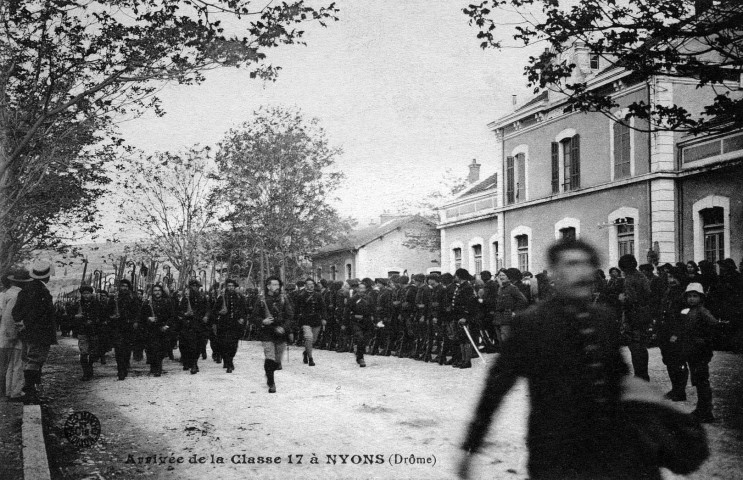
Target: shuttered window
510	181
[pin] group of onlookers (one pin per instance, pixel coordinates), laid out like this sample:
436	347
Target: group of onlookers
27	330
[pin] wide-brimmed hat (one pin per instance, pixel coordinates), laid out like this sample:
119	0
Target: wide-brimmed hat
694	287
41	269
19	276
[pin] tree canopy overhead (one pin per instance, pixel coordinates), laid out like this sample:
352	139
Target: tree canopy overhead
699	39
70	68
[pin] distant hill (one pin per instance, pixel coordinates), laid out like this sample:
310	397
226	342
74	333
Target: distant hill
69	268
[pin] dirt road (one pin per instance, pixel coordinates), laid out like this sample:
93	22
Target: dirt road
335	420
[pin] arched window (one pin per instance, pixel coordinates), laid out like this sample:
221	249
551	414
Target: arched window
623	234
477	256
333	272
457	252
711	225
349	271
521	245
522	250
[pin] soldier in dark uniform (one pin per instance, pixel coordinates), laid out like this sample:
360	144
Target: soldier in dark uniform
139	339
464	307
231	314
408	322
448	323
326	334
397	326
489	300
104	330
361	319
569	351
383	317
437	305
213	341
193	312
87	322
345	342
637	317
310	311
273	315
123	314
423	300
158	318
509	301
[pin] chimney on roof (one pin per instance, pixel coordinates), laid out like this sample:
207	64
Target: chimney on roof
474	175
701	6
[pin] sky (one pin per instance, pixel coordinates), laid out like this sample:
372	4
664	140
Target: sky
401	86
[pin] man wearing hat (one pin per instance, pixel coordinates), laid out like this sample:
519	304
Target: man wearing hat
34	317
464	308
193	312
87	317
123	312
11	347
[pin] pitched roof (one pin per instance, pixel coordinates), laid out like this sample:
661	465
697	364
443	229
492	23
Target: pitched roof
486	184
537	99
359	238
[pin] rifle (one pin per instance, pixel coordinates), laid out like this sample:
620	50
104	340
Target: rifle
85	270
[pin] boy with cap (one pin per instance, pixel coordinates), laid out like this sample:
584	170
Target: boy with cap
690	341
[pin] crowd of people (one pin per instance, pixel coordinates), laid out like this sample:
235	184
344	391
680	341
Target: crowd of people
444	318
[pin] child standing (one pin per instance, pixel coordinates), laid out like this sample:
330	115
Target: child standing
691	341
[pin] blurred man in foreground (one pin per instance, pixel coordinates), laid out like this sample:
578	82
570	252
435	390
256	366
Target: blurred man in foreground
569	351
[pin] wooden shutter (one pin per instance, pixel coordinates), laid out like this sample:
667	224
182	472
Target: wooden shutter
521	176
509	180
555	167
575	162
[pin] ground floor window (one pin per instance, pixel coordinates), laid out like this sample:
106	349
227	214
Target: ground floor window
567	233
457	258
522	249
496	256
333	272
625	235
477	255
348	271
713	226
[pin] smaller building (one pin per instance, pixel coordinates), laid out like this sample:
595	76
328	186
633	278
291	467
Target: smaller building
396	245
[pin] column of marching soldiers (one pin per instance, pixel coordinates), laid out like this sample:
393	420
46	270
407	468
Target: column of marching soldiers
431	318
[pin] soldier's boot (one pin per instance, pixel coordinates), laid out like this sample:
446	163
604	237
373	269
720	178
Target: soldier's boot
703	412
30	393
427	352
87	368
441	357
270	367
678	377
466	356
456	356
